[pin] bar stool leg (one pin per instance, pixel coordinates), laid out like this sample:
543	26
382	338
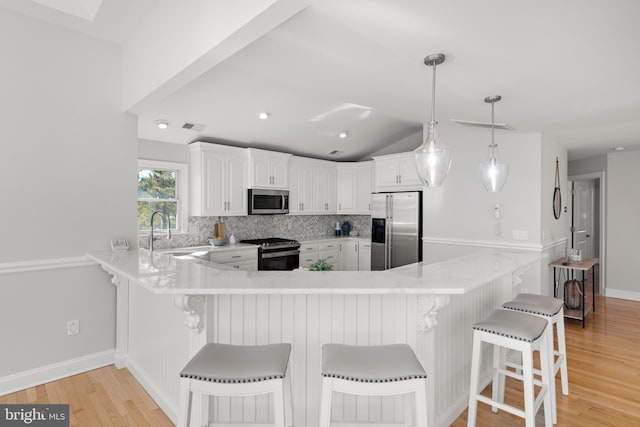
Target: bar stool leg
420	405
497	386
185	402
548	377
278	405
529	397
552	378
562	351
325	401
288	403
473	387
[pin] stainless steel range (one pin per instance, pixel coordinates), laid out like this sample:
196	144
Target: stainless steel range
277	254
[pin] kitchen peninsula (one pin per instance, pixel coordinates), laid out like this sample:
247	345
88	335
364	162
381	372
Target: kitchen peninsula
167	308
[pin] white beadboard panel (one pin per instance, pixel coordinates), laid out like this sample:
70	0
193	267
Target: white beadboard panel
308	321
159	345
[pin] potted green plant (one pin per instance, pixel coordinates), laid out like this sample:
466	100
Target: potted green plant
321	265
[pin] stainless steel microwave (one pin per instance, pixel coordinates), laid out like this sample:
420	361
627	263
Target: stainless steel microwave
268	202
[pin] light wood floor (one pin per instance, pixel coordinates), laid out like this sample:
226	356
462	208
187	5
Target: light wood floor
604	382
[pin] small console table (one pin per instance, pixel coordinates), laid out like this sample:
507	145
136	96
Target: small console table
571	268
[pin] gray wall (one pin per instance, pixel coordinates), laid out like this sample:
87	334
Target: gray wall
623	223
67	168
589	165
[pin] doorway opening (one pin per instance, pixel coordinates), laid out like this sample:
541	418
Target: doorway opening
588	231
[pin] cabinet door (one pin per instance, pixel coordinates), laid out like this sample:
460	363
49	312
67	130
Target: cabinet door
236	184
279	173
346	189
348	256
213	181
364	187
387	173
295	190
408	171
260	172
305	181
330	194
364	257
320	190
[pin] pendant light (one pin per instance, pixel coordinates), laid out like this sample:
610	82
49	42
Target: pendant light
433	158
493	172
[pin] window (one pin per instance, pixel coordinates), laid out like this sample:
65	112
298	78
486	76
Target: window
162	186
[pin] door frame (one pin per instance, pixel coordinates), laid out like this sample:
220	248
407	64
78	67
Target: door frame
602	246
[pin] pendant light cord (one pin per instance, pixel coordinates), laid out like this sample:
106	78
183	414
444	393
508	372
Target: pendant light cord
433	96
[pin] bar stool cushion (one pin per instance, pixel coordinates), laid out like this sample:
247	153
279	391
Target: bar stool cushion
383	363
225	363
512	324
535	304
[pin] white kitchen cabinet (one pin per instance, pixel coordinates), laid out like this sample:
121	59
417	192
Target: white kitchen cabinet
355	184
347	178
239	258
218	180
396	172
308	254
324	184
301	189
268	169
329	251
364	256
348	252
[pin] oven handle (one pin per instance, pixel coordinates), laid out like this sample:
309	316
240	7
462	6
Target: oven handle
280	254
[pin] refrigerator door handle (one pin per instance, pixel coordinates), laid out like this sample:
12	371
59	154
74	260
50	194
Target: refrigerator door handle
388	240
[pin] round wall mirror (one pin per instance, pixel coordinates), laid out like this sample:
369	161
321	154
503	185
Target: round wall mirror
557	202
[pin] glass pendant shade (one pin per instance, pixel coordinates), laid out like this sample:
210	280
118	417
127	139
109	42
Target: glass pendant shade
493	174
433	160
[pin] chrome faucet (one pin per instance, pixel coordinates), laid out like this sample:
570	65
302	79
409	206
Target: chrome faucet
168	218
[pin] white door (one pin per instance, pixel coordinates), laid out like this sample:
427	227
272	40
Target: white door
214	192
346	190
236	179
583	217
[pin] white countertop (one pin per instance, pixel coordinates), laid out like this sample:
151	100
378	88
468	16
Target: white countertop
164	274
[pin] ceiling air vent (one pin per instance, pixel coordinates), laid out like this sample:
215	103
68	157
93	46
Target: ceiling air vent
336	153
482	124
196	127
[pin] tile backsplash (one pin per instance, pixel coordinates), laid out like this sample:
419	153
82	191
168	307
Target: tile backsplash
261	226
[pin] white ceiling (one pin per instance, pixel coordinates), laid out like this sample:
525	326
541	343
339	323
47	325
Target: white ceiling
568	69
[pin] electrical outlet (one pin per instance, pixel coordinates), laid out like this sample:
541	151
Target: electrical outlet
73	327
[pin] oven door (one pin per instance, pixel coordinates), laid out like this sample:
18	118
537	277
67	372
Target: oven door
279	260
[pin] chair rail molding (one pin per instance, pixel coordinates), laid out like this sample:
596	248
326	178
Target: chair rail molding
483	243
44	264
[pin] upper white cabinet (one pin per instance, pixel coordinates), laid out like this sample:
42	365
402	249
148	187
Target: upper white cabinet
218	180
355	184
324	184
396	172
268	169
301	188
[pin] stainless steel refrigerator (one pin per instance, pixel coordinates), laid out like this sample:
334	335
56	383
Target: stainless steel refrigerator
396	229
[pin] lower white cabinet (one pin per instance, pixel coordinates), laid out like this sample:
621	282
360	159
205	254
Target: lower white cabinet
348	256
364	256
343	254
329	252
241	258
308	254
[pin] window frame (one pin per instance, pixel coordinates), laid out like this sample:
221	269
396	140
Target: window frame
182	190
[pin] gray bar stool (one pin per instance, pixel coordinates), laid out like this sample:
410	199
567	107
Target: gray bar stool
506	329
382	370
552	310
238	370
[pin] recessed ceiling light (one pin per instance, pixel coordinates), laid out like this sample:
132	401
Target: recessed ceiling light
343	134
263	115
161	124
618	149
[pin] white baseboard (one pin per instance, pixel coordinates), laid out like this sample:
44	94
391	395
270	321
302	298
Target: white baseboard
45	374
619	293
